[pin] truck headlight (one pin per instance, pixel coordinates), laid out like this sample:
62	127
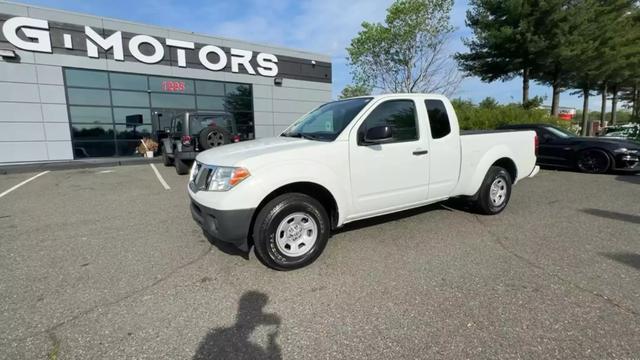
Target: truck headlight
225	178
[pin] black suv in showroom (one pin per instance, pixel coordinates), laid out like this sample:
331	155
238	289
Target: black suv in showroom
193	132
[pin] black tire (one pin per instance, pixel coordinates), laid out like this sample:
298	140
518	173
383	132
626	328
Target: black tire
166	160
212	137
593	161
492	204
182	168
273	215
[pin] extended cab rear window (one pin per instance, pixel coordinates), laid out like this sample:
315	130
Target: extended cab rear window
438	119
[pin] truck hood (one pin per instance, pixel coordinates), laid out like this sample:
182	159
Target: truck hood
233	154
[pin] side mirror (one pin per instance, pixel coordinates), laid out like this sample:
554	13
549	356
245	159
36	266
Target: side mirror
378	135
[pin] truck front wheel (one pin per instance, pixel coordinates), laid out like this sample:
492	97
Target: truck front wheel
290	231
494	192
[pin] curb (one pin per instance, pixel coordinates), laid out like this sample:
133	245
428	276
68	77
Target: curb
75	164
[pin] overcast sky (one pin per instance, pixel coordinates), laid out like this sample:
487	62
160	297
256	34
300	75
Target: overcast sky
325	26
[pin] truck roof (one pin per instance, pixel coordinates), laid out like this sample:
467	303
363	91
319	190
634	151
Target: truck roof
402	95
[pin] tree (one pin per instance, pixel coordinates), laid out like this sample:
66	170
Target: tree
407	53
505	42
488	103
354	90
603	46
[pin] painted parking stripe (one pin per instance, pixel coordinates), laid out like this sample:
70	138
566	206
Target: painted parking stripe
160	178
24	182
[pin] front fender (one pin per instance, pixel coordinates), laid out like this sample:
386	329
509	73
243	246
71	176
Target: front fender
269	179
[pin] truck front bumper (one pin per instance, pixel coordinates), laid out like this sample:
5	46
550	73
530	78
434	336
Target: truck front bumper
231	226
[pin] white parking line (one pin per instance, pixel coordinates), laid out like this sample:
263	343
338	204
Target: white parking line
164	183
24	182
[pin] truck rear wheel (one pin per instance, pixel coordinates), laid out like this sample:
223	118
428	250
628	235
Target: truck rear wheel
166	160
495	191
290	231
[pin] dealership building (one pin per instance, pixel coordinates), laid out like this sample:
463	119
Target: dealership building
75	86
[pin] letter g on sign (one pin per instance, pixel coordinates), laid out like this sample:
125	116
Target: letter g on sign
35	29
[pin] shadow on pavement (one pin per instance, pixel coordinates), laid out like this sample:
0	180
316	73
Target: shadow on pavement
626	258
634	219
633	179
234	342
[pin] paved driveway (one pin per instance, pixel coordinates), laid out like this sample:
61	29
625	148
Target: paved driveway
106	264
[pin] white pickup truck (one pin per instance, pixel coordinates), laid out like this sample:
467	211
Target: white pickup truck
349	160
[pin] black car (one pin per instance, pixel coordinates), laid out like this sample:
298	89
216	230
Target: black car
192	132
562	148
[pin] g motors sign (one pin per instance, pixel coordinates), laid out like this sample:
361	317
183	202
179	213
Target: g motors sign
35	35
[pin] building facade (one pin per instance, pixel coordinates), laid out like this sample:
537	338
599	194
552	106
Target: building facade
71	83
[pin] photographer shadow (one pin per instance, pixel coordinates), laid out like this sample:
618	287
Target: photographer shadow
234	342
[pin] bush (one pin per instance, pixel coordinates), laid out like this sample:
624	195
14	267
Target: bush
474	117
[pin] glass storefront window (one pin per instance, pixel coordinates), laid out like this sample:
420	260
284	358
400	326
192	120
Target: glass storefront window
92	131
88	97
173	101
85	149
110	112
171	85
238	90
209	88
90	114
120	114
129	132
87	78
127	147
129	98
210	103
128	81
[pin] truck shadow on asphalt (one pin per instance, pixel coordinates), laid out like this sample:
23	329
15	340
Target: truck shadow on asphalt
234	342
634	219
626	258
632	179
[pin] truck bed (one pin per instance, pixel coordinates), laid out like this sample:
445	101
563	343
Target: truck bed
478	146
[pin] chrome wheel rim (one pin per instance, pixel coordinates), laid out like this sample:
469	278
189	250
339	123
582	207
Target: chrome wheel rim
296	234
215	138
498	192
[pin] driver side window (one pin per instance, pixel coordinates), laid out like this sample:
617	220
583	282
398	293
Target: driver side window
400	115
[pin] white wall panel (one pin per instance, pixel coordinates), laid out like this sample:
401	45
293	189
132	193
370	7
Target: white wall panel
20	112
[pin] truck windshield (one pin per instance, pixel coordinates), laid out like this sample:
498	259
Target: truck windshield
327	122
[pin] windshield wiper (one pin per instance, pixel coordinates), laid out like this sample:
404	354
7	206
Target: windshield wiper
301	135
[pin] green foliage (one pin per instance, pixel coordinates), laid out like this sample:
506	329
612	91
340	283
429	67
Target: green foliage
476	117
406	53
354	90
488	103
505	41
533	103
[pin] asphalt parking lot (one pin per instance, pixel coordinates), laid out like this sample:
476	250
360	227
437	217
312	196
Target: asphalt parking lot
106	263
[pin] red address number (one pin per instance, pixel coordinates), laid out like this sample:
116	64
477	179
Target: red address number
173	86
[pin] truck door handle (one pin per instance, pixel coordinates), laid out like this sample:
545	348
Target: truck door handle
420	152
